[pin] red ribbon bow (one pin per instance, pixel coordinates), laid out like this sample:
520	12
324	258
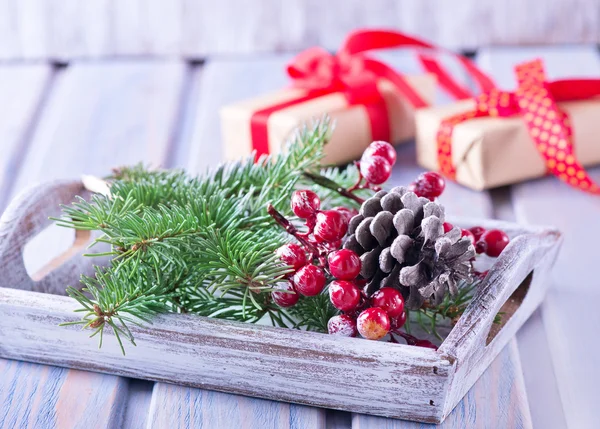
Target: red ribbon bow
355	75
535	100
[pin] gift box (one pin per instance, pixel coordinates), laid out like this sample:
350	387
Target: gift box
501	138
353	131
366	99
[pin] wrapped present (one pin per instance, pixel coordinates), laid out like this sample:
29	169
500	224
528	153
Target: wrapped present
366	99
500	138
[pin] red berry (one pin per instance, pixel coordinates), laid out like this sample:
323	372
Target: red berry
375	169
381	148
344	264
448	227
331	225
309	280
285	299
399	321
495	241
390	300
349	213
477	232
469	234
429	185
342	325
293	255
373	323
480	247
344	295
425	343
334	245
305	203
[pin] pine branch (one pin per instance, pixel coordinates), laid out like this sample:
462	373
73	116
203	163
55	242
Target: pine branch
337	178
203	245
429	318
116	297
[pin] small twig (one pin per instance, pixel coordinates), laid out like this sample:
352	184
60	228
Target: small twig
291	229
330	184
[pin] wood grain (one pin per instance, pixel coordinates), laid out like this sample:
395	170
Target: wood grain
22	93
550	201
225	81
46	397
104	28
498	399
292	366
96	116
184	407
274	363
102	115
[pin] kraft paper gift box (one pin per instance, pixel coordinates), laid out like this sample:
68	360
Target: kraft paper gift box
352	133
488	152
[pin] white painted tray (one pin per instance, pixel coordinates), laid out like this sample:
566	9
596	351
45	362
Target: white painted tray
392	380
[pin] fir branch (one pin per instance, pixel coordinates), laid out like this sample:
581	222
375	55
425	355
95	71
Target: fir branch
203	245
327	182
429	318
115	297
236	259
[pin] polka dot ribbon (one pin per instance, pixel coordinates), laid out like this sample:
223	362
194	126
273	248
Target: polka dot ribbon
535	100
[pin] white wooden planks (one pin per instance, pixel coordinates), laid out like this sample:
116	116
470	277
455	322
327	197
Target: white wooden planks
497	400
224	81
183	407
98	115
569	313
22	93
105	28
102	115
219	83
45	397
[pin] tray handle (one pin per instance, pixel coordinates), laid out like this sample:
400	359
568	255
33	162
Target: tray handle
26	217
507	286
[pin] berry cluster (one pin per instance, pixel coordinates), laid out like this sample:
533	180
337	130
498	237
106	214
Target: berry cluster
324	231
376	163
318	258
373	317
491	242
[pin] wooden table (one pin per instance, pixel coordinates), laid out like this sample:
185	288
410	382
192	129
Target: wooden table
86	117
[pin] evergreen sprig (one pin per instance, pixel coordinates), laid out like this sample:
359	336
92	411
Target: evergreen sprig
202	245
430	318
205	245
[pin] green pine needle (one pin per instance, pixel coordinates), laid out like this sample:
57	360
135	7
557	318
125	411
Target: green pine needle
203	245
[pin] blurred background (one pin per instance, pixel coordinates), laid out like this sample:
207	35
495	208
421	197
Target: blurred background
88	85
194	29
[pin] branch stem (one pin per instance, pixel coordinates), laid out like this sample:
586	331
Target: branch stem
291	229
330	184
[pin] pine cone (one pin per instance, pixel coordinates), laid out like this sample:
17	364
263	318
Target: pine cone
401	242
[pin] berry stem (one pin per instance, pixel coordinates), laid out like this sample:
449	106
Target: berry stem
360	178
291	229
330	184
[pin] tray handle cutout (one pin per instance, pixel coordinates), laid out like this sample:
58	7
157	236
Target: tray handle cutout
509	308
514	285
25	218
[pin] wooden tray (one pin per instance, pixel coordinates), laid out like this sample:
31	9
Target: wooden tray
392	380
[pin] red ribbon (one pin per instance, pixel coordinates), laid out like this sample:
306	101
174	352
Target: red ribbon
355	75
535	100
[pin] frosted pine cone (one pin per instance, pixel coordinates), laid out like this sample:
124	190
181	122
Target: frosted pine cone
401	242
